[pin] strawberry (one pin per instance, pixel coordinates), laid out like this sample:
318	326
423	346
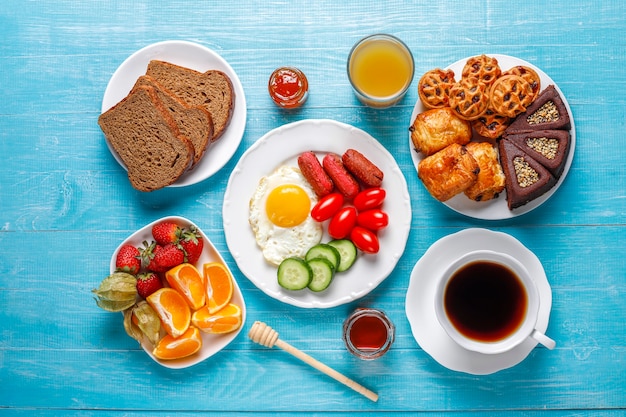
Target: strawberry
148	253
192	243
128	259
167	257
147	283
166	232
151	264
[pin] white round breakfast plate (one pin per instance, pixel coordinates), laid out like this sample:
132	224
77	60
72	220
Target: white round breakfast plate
497	208
211	343
196	57
420	300
282	146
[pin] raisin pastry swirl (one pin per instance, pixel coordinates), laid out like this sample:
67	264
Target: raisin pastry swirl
491	125
469	98
434	88
529	74
510	95
482	67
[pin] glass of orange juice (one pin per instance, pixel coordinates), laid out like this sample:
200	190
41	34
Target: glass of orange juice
380	69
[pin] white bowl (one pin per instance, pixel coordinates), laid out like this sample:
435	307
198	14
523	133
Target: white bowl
211	343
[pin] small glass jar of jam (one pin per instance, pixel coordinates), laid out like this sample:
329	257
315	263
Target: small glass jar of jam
288	87
368	333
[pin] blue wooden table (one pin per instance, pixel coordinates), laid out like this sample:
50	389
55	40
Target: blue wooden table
66	205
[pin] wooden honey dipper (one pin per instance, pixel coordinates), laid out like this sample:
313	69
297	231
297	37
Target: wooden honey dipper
264	335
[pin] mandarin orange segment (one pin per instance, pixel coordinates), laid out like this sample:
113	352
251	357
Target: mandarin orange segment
227	320
219	286
172	309
189	282
185	345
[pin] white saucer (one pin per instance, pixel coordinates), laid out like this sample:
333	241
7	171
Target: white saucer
211	343
420	309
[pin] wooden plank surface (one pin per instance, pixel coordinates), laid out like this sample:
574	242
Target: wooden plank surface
66	205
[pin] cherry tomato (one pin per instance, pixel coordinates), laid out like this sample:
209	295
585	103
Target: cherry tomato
364	239
373	220
327	207
342	223
370	198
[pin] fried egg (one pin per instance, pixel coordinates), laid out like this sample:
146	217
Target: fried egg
280	215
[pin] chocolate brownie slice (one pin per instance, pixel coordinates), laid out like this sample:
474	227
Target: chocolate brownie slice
547	112
526	179
548	147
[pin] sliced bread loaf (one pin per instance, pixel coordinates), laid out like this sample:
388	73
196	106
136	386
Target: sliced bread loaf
193	122
212	89
147	139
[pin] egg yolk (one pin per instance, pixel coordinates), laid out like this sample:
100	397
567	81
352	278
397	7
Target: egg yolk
287	205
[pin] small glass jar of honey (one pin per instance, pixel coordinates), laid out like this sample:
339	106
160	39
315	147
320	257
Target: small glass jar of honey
288	87
368	333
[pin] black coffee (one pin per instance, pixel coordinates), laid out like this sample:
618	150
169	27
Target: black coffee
485	301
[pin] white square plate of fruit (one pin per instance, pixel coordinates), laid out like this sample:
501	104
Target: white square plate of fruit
178	296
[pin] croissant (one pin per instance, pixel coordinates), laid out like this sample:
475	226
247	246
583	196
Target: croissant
448	172
435	129
490	181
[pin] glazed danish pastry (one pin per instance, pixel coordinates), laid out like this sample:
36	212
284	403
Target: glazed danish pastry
469	98
529	74
491	125
435	129
490	181
448	172
483	68
510	95
434	88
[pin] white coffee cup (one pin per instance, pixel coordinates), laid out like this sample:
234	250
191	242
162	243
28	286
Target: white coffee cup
487	302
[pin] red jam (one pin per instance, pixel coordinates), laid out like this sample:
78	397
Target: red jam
288	87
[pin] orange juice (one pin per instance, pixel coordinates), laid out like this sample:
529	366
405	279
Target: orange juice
380	69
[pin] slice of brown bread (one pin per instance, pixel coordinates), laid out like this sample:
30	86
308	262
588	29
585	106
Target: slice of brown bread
211	89
193	122
146	138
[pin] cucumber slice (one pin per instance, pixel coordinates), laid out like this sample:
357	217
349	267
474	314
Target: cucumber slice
347	253
324	251
294	274
323	273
